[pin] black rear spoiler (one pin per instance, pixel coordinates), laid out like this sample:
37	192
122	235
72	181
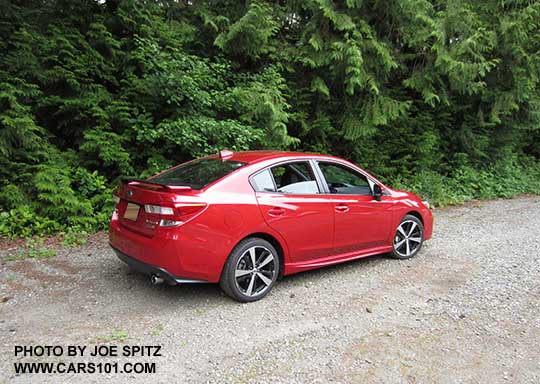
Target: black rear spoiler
128	180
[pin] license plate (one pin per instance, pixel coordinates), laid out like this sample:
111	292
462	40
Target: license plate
132	211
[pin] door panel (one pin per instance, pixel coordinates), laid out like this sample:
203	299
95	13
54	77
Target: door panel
306	222
296	209
361	223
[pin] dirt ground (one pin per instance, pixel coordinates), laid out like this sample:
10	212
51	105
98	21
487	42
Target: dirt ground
465	310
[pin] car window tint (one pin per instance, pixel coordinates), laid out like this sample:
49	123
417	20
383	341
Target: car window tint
344	180
295	178
263	182
198	173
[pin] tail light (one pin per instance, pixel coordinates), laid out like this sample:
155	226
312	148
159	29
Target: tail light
158	210
172	217
116	200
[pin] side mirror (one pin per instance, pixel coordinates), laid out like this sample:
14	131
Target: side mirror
377	192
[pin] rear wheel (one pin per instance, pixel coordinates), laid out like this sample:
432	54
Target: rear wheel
251	270
408	238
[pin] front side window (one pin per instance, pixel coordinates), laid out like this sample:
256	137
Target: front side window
197	174
344	180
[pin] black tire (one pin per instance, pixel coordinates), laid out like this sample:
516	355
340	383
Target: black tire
408	238
252	282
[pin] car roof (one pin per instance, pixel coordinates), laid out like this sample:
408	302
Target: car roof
252	157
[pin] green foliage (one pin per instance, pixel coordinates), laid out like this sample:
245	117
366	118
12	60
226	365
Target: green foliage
504	180
117	335
158	330
439	96
250	35
24	221
34	249
74	237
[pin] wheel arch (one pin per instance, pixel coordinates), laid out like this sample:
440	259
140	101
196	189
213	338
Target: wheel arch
275	243
415	214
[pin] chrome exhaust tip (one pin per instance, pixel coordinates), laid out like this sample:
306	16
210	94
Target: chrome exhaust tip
156	280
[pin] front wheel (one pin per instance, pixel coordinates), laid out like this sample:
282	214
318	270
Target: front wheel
250	271
408	238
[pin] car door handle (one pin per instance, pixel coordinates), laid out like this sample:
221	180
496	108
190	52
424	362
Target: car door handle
276	211
341	208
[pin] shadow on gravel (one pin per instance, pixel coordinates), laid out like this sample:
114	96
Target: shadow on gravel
135	284
316	276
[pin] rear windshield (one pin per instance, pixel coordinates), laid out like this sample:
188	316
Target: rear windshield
198	173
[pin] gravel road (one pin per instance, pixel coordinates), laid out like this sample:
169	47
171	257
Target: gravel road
465	310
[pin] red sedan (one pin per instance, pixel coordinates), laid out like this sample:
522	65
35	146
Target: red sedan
244	219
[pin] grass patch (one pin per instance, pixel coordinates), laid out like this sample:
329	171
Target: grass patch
200	312
157	331
11	278
34	249
73	238
115	335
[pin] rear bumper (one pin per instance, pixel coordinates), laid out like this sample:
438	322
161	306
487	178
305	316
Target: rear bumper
150	270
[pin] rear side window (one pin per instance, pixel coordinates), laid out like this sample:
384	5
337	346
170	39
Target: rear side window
295	178
291	178
263	182
198	173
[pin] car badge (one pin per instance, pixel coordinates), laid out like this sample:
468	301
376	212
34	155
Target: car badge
129	193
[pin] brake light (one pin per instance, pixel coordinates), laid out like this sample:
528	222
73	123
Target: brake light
190	208
158	210
116	200
175	216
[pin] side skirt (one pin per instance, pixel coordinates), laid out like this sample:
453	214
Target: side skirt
291	268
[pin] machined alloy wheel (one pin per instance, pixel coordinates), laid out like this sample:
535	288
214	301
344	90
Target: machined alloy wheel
251	270
255	270
408	238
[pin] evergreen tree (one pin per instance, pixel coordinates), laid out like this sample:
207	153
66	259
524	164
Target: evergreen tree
439	96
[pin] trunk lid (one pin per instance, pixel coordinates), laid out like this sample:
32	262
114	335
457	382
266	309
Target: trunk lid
136	195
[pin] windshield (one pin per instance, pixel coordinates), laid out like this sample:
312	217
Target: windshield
198	173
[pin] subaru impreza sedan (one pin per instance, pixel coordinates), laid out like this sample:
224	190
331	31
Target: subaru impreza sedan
245	219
